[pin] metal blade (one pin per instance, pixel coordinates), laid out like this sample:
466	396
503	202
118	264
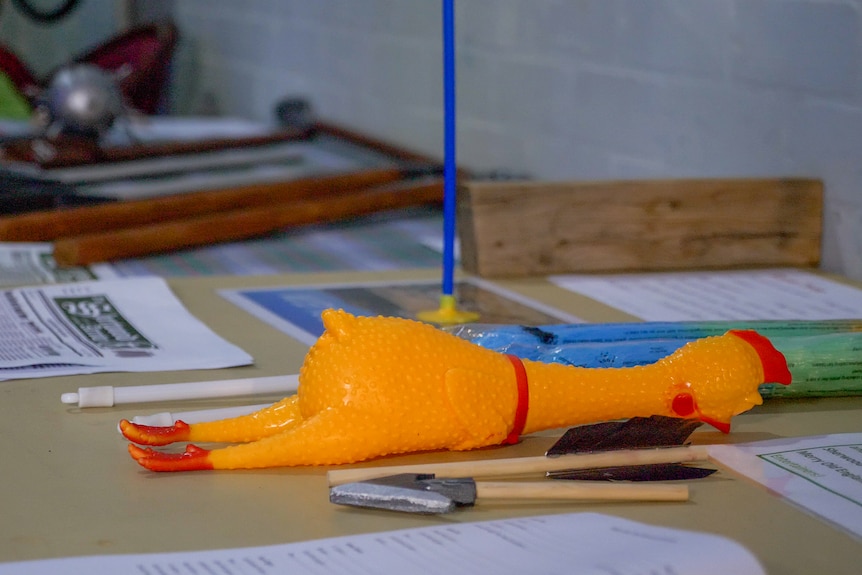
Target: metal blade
408	492
657	472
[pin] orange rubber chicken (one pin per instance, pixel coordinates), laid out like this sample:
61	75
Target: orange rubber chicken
375	386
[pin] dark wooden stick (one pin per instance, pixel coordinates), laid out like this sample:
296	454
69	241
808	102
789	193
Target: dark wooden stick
66	151
240	224
51	225
381	146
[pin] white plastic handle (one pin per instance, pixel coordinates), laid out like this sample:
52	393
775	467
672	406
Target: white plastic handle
107	396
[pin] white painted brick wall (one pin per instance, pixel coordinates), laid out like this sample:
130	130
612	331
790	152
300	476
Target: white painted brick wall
568	89
564	89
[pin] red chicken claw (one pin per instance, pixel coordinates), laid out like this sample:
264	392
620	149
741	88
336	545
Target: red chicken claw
194	458
154	435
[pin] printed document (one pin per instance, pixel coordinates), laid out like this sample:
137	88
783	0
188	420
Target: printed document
296	309
98	326
32	263
775	294
568	543
821	474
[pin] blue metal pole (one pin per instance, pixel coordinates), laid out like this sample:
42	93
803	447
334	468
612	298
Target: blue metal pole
449	158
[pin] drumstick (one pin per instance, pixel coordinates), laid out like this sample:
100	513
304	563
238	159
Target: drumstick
239	224
43	226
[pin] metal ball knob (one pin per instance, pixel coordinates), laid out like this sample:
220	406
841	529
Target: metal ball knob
83	99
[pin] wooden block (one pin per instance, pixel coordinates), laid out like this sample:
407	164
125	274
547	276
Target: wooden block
517	229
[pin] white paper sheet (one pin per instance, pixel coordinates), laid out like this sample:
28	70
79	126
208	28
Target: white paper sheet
97	326
821	474
32	263
776	294
570	543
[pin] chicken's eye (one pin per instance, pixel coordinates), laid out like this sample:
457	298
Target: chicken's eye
683	404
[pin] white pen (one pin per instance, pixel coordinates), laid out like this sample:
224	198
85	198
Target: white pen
166	418
107	396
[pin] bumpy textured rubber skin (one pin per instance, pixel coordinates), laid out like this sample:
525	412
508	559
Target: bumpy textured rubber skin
375	386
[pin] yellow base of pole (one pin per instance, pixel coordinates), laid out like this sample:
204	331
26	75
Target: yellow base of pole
448	313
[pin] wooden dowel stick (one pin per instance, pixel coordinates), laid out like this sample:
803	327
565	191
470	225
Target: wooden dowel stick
581	491
239	224
50	225
526	465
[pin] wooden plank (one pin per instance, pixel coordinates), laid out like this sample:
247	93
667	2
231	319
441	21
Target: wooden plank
516	229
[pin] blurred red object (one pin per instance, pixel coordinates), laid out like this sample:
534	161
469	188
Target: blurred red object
141	57
19	74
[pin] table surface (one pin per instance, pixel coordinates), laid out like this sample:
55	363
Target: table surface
70	488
